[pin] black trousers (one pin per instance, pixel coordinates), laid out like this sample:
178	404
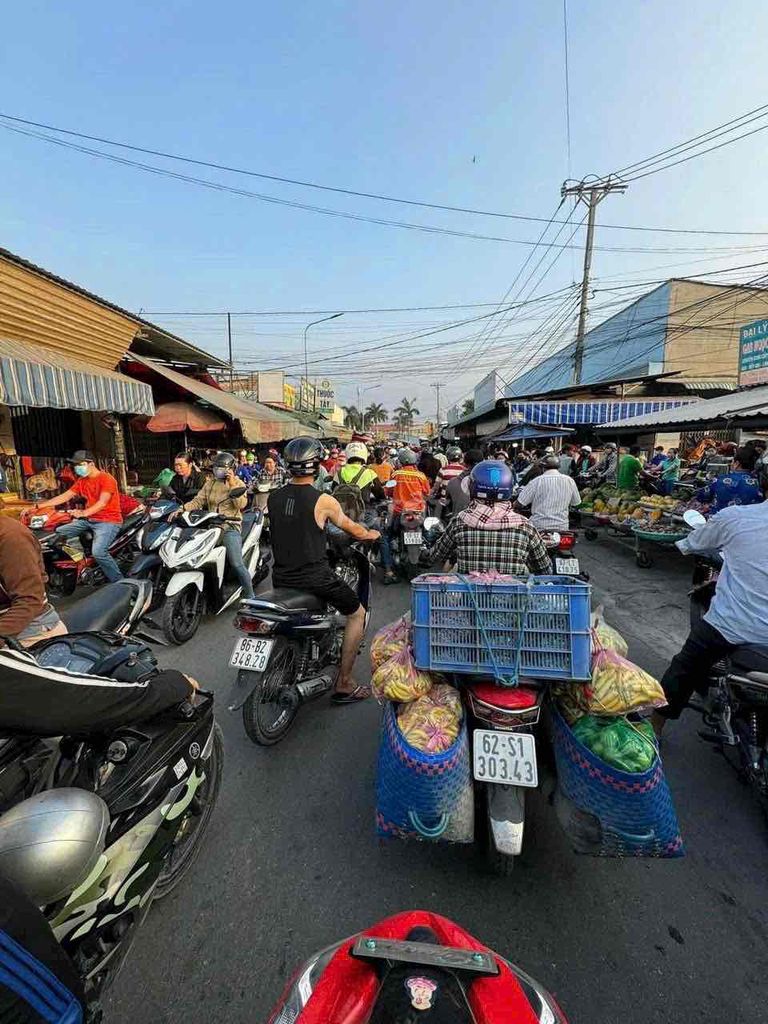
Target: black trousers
688	669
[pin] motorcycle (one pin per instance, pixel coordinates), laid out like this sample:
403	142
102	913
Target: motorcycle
193	578
560	545
501	723
95	827
411	962
147	563
69	562
733	699
291	647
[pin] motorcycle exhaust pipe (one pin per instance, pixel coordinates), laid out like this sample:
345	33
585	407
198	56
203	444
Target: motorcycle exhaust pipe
308	689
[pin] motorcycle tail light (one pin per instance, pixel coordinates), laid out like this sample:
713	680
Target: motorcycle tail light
253	626
504	719
301	986
567	540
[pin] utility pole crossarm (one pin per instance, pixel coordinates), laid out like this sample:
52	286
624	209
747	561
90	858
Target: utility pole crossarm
590	193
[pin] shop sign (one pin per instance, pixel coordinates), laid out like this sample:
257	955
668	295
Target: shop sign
753	353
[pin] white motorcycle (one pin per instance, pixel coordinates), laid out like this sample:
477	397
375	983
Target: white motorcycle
196	560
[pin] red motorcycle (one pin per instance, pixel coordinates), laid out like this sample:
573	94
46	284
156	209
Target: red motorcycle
69	562
415	961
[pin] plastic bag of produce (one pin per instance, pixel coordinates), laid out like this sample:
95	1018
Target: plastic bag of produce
606	636
398	678
628	746
389	640
619	687
429	726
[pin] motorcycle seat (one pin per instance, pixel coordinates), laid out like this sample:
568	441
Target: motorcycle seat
131	520
104	609
293	600
751	659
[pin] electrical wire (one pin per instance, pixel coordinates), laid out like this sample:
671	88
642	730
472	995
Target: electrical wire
16	121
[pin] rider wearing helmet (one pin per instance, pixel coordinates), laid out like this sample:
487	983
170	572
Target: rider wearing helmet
298	514
489	535
357	473
215	496
410	491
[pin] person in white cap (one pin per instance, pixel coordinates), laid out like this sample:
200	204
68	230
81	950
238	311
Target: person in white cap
582	465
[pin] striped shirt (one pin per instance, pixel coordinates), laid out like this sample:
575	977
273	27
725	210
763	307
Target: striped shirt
550	497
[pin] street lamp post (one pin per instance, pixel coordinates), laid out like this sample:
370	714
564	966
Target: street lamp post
306	357
360	392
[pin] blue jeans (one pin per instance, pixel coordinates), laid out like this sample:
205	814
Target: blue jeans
233	545
103	535
385	543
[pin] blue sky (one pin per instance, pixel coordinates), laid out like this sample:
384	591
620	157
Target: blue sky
449	102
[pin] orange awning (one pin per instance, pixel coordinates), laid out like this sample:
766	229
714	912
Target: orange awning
177	417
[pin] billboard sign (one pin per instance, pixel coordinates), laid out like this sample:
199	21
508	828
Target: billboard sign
289	396
753	353
325	396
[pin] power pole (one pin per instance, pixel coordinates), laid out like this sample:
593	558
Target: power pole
590	193
229	341
437	410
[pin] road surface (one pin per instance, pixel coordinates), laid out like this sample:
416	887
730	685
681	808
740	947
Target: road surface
292	863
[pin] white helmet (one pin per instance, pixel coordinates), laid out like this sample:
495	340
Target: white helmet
549	450
586	448
356	450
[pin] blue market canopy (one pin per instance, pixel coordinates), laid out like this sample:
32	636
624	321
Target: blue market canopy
31	375
528	431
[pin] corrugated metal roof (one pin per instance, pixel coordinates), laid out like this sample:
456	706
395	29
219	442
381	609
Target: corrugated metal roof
31	375
708	385
742	404
259	423
177	348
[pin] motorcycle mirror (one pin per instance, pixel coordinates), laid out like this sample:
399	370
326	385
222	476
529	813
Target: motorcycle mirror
693	518
237	492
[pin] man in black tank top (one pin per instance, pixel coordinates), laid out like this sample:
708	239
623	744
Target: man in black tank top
298	513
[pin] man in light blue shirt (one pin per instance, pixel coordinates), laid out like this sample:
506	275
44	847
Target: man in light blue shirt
739	610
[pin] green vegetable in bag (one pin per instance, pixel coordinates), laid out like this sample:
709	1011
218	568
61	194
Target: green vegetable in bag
628	746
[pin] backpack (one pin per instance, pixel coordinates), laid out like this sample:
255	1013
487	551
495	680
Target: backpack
350	497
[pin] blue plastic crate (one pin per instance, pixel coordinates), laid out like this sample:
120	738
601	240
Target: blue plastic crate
448	635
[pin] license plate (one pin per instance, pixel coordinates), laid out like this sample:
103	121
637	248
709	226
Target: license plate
505	757
251	654
412	538
567	566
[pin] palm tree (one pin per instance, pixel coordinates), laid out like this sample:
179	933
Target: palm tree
375	413
406	412
352	417
468	407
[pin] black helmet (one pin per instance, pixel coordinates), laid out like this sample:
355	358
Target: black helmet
223	460
303	455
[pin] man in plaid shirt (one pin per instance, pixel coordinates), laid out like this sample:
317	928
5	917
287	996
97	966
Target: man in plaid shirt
489	535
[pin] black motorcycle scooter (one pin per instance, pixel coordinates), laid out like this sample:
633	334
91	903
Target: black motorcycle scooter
292	646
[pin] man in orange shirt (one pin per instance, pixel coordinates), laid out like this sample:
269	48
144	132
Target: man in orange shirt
101	515
381	467
410	491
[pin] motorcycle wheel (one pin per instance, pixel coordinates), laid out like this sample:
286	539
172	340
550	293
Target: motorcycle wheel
266	718
182	613
194	824
62	583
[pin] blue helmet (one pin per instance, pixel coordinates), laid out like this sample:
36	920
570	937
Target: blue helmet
491	481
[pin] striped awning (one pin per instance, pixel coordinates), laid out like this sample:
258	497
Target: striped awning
32	375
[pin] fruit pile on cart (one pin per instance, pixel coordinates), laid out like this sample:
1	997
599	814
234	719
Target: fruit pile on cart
649	523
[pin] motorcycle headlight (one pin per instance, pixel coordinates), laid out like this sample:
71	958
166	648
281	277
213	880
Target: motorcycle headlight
301	986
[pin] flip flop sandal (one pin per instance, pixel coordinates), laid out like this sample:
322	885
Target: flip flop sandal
353	697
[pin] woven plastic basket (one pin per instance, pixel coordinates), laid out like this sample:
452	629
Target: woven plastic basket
420	795
468	627
610	813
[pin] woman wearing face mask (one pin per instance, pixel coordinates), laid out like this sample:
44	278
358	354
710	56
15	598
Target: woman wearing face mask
215	496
